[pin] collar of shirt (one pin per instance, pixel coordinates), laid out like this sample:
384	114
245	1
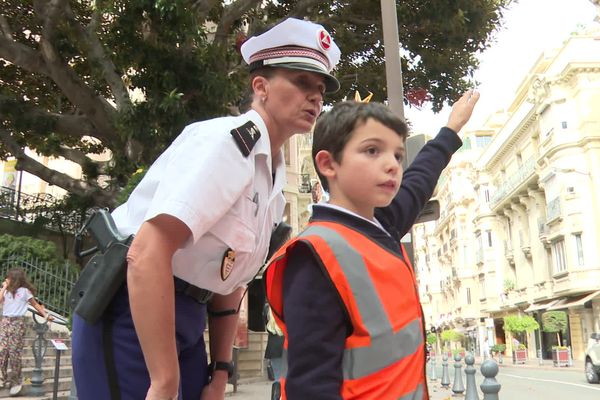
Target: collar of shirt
374	221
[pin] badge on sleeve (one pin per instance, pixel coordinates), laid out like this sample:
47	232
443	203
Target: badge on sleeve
227	264
246	136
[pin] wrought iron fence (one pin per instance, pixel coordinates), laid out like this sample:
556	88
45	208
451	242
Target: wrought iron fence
41	208
53	281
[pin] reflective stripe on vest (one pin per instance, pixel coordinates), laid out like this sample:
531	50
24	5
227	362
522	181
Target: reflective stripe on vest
386	347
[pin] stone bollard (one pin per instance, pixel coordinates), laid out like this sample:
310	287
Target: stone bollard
445	376
433	375
458	388
490	386
471	393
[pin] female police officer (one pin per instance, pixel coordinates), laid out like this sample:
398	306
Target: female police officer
202	216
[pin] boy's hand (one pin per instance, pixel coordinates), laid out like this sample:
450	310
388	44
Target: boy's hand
462	110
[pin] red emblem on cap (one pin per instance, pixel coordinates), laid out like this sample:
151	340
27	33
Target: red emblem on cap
324	40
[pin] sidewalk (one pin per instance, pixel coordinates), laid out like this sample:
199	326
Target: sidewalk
260	389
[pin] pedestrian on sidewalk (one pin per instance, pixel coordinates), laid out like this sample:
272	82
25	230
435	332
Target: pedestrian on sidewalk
343	291
16	294
486	348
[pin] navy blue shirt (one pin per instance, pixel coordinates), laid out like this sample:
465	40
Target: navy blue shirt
316	319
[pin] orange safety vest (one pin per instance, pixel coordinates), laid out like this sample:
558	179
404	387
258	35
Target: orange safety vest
384	357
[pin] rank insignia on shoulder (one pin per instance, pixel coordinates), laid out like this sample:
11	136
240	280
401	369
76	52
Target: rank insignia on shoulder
227	264
246	136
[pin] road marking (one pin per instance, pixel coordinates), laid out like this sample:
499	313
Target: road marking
552	381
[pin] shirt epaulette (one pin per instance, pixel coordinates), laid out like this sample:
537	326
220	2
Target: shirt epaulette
246	137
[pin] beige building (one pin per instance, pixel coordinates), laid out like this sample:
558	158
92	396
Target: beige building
520	228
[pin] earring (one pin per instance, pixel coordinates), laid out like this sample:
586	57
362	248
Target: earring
263	99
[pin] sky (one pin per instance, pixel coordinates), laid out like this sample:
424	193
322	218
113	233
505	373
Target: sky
530	27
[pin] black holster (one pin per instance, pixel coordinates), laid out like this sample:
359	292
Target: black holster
105	272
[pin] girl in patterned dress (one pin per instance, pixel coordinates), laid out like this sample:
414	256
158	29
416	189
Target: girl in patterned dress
16	293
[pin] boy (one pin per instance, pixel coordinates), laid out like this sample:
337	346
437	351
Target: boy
343	291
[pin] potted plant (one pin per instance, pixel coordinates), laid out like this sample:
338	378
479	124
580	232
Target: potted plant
556	322
448	336
520	354
517	325
431	340
498	350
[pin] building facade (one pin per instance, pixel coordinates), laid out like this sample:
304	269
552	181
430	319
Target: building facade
520	229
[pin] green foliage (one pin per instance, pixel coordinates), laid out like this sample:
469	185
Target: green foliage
498	348
521	346
450	335
520	323
183	69
554	321
431	338
509	285
28	248
131	184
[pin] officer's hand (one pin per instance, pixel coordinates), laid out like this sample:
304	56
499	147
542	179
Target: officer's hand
155	394
462	110
215	390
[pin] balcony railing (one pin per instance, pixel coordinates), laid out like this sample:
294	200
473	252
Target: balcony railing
553	209
514	181
42	209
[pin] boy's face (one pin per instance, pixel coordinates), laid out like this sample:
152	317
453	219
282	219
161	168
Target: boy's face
370	169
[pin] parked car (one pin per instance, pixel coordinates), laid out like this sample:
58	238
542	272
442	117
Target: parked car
592	359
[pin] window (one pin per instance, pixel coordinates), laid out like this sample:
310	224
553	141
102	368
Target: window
579	247
482	141
486	193
489	237
519	159
563	124
560	258
468	295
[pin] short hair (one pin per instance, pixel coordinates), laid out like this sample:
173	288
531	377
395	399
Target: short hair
335	127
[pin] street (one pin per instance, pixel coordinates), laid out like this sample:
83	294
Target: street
527	382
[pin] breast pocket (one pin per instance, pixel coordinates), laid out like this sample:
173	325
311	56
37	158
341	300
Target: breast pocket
235	233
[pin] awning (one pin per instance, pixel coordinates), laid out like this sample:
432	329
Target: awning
575	301
542	305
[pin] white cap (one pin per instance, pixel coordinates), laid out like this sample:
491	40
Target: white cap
295	44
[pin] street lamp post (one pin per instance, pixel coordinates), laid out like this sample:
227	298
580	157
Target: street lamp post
393	68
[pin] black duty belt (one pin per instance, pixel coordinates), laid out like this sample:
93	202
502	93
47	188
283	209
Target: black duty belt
202	296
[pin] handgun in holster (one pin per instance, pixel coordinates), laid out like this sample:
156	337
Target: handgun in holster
105	272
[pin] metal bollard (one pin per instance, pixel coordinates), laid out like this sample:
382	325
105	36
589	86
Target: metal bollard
490	386
570	362
433	375
445	376
458	388
39	347
539	354
471	393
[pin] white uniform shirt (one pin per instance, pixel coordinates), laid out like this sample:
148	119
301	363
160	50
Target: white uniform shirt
16	306
227	200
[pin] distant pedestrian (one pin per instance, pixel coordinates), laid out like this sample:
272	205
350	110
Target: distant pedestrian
486	349
16	293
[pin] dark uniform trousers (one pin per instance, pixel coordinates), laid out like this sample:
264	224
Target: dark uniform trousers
89	367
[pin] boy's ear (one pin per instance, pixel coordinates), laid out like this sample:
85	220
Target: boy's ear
324	163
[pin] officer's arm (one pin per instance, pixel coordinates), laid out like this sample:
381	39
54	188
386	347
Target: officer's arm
152	299
222	330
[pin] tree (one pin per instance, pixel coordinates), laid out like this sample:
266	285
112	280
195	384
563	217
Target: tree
84	77
555	322
519	324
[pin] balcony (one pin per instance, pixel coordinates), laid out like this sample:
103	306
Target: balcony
553	210
513	182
